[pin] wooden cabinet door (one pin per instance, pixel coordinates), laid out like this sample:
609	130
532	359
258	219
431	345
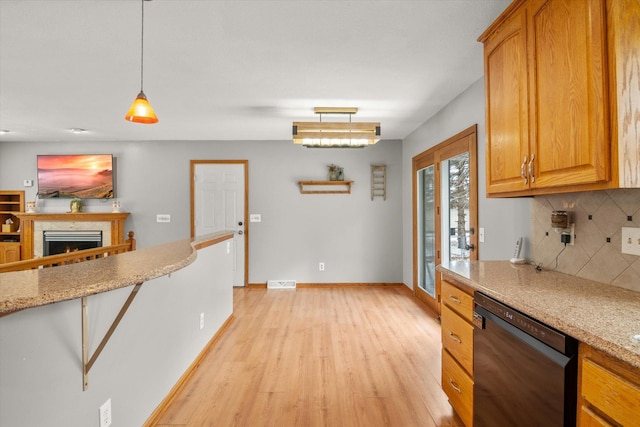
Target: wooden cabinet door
623	28
507	109
9	252
568	100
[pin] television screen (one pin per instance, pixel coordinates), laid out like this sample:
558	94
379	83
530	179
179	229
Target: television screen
85	176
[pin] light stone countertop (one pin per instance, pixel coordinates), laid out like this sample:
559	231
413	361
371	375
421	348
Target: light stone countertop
604	316
34	288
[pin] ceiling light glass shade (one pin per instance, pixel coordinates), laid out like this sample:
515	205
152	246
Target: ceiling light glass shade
141	111
336	134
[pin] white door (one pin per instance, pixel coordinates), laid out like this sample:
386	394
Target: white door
219	204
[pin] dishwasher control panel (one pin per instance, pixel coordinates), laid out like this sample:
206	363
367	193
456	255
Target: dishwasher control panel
521	321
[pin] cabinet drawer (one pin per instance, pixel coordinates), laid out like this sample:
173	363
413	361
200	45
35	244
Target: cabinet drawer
458	387
458	300
457	338
615	396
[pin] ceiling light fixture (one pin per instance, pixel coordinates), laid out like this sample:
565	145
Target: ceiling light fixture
77	130
336	134
141	111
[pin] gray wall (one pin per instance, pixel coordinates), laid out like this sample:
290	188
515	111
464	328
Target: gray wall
504	220
357	239
158	339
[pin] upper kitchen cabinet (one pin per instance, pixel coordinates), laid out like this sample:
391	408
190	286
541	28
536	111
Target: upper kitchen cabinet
623	32
507	104
552	95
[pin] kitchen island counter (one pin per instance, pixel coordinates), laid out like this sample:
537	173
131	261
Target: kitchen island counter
605	317
33	288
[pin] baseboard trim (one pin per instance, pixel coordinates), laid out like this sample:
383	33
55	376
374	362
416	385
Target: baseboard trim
333	285
162	407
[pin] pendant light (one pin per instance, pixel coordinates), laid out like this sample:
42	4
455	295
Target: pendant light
141	111
336	134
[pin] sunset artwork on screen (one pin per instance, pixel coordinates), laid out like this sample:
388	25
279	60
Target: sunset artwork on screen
86	176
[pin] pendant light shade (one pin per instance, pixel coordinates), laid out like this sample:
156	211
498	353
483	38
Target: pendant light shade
141	111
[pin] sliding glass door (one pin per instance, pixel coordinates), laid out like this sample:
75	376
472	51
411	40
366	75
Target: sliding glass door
427	230
456	201
445	204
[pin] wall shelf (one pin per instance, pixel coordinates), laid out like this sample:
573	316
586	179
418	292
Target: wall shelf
325	187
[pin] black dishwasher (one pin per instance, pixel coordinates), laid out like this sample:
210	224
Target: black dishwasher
524	371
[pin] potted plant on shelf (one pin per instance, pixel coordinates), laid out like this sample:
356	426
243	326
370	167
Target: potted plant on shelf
75	205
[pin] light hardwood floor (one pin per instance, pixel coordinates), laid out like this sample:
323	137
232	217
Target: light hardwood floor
352	356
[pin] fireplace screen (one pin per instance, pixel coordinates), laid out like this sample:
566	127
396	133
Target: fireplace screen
58	242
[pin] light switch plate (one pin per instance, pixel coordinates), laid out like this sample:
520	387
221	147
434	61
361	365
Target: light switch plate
631	240
163	218
255	218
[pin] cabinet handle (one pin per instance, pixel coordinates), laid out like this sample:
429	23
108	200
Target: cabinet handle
531	174
454	299
454	386
455	337
522	172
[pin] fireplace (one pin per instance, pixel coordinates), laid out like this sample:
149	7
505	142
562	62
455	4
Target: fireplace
58	242
33	226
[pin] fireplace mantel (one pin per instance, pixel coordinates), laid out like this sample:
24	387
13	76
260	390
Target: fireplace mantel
28	220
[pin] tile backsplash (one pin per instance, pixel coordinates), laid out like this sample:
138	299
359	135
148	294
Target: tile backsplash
596	254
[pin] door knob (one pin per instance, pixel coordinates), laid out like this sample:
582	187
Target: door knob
470	247
240	223
240	232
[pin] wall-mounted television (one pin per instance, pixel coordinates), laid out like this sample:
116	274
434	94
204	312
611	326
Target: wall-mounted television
85	176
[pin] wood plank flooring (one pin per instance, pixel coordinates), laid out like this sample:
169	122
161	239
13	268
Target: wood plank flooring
350	356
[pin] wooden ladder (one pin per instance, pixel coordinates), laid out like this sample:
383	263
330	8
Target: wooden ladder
379	181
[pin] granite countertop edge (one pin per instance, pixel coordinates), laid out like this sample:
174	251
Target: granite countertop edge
600	315
34	288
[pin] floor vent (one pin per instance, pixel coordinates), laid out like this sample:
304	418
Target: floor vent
281	284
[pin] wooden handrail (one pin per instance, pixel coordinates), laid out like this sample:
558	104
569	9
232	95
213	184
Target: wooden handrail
70	257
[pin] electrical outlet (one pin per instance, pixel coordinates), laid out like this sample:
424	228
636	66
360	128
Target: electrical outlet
321	266
105	414
27	183
201	320
569	237
631	240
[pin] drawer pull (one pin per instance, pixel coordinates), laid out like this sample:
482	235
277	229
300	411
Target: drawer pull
454	386
454	299
455	337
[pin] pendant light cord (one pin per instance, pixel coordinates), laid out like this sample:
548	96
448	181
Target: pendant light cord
142	50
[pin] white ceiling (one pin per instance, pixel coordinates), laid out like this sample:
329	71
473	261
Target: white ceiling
233	69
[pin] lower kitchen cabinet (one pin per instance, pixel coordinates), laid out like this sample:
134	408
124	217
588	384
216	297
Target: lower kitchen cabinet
608	390
457	348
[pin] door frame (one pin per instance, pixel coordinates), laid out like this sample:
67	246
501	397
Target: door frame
245	164
466	140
